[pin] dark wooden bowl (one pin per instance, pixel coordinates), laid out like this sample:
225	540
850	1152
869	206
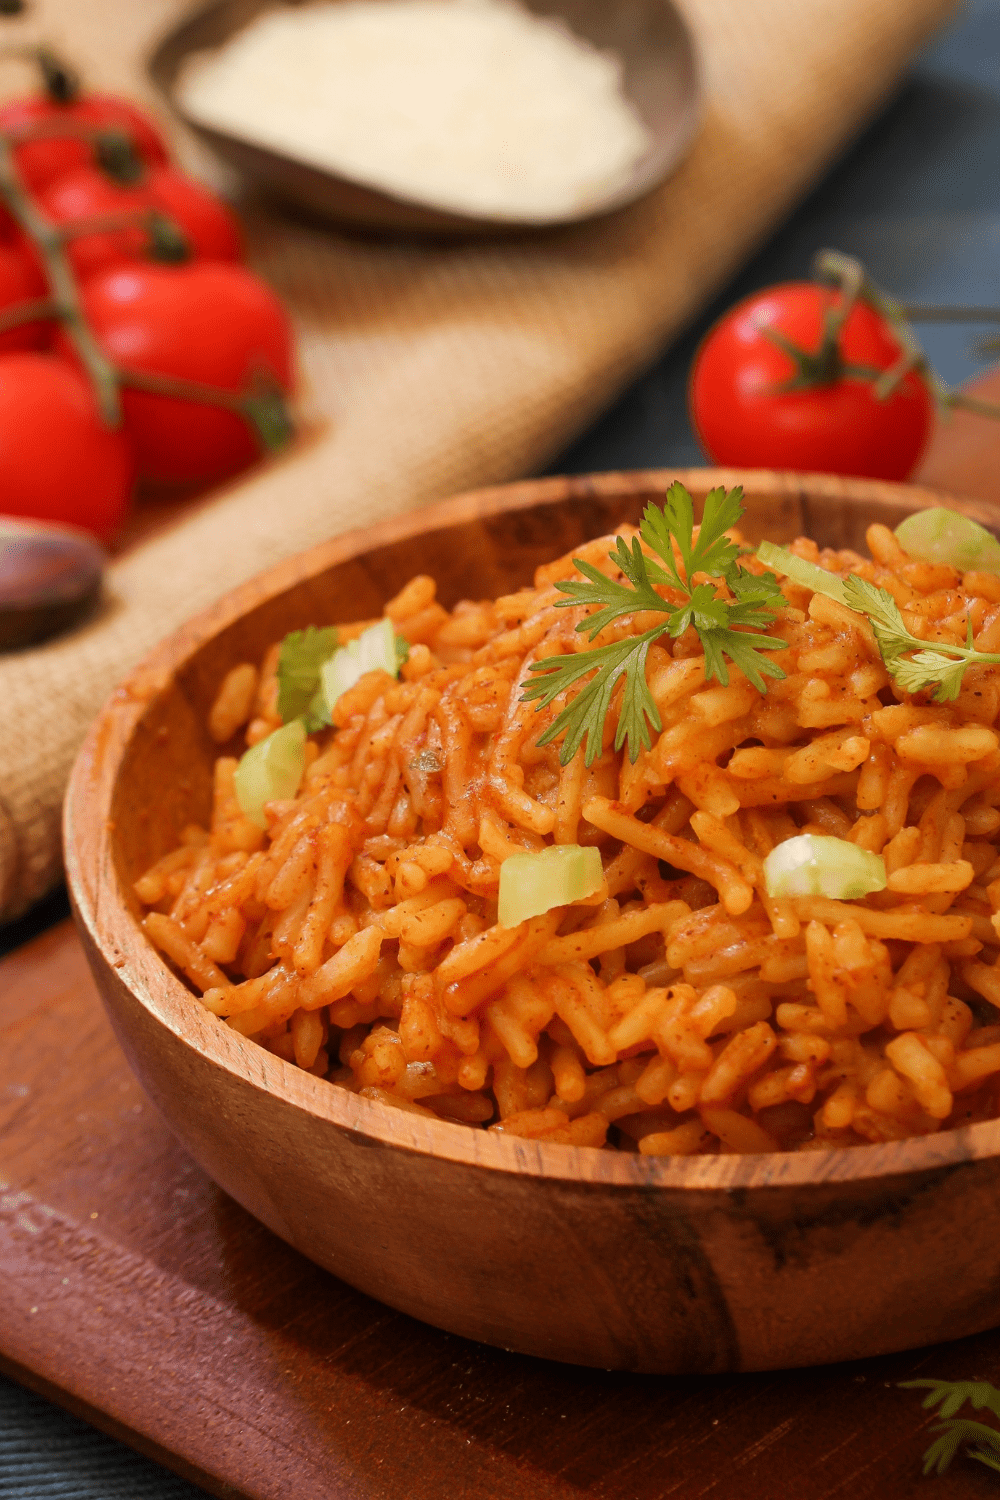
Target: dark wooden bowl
660	81
606	1259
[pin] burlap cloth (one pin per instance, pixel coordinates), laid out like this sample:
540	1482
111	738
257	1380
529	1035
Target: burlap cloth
439	369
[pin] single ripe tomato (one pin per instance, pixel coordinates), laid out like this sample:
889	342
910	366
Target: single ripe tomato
207	225
746	414
210	322
58	462
42	160
21	280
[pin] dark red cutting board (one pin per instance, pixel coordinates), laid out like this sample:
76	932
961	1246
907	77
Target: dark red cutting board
135	1293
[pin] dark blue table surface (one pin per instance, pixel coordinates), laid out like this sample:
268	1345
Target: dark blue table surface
918	200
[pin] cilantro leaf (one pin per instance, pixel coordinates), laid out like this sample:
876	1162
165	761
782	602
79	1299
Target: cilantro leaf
618	598
939	665
743	650
583	718
302	654
712	551
669	534
951	1396
754	588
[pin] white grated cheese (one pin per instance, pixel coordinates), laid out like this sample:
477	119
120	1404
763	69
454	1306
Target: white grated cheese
472	105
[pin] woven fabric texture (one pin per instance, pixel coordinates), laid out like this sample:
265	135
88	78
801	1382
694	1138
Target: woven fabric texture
429	369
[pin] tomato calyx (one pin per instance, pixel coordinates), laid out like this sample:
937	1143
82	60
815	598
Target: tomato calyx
826	365
261	403
62	84
116	156
264	407
166	240
245	377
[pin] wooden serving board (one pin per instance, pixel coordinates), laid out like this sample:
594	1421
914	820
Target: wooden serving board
136	1294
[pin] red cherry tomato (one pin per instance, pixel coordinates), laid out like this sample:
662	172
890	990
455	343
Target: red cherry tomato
207	224
207	321
21	280
58	462
41	161
743	417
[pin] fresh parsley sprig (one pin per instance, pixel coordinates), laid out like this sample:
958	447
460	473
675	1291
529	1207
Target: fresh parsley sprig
940	665
951	1396
726	628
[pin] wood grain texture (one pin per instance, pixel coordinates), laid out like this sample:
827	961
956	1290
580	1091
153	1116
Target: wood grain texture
611	1260
138	1295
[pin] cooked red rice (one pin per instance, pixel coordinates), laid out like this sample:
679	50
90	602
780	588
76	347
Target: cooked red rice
681	1010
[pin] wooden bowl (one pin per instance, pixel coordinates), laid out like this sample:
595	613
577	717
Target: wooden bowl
660	81
595	1257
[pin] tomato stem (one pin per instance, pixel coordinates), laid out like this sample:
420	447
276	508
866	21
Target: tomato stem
261	405
890	380
167	241
827	365
62	284
961	402
61	83
932	313
28	312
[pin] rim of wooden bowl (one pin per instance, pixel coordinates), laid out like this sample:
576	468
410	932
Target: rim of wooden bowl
103	910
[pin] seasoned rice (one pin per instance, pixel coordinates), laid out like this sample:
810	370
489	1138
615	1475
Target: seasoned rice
682	1009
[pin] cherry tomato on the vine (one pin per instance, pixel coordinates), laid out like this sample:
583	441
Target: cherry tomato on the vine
207	225
58	462
42	160
745	413
210	322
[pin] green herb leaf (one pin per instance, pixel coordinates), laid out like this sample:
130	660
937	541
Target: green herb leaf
583	718
669	534
951	1396
744	651
711	552
983	1455
940	666
618	598
300	659
753	588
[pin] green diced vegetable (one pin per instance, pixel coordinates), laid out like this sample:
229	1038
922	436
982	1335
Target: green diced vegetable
374	650
813	864
302	655
808	575
271	770
531	884
943	536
